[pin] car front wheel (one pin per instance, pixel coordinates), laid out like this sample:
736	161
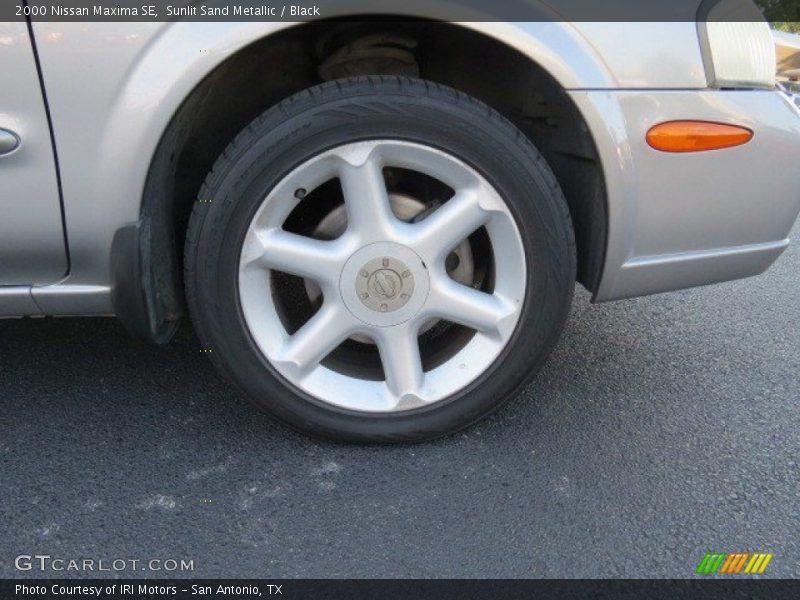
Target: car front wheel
380	259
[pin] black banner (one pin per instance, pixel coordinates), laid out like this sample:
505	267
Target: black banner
386	589
445	10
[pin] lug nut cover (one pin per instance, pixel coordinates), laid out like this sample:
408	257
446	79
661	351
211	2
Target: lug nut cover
385	284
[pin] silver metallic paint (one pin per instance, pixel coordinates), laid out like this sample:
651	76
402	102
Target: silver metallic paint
113	88
8	142
31	236
666	209
647	55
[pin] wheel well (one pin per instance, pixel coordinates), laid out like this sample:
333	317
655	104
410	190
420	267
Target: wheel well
280	65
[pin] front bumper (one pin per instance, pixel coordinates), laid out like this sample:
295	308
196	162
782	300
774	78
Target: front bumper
681	220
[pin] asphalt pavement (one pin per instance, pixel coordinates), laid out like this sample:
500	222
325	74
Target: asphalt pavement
662	428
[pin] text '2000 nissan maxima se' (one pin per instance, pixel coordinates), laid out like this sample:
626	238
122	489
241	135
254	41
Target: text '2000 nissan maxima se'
376	225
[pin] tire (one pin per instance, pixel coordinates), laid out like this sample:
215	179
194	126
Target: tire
382	118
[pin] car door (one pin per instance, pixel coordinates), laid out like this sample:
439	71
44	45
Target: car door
32	245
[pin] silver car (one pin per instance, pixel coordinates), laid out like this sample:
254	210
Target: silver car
376	227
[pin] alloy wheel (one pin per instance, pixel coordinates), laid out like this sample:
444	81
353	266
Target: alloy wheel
392	323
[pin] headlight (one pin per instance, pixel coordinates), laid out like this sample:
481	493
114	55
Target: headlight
738	47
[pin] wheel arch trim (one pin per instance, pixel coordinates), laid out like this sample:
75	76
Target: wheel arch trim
152	107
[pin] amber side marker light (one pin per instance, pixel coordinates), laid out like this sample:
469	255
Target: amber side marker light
696	136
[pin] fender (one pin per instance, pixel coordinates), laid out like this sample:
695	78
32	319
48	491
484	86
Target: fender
109	135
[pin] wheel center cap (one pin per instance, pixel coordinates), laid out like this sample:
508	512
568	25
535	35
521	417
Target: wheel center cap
384	284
